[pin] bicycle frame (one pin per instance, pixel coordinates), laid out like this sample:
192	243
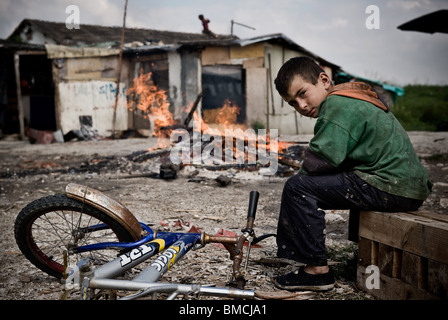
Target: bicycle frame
119	245
172	246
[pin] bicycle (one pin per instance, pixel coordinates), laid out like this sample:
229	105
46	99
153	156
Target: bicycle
105	240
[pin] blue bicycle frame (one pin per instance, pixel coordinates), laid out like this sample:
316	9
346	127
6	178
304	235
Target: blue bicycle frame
172	246
119	245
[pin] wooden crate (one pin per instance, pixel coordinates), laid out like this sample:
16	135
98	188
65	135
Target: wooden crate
410	251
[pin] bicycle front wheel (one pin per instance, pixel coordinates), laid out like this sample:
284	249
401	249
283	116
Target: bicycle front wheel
48	226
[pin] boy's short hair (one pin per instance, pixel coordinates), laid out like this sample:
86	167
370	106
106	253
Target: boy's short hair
303	66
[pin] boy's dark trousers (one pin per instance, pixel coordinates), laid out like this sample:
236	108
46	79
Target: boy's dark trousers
301	225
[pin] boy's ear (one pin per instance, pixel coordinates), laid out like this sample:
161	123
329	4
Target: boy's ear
325	79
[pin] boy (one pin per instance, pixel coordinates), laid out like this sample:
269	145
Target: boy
359	158
205	28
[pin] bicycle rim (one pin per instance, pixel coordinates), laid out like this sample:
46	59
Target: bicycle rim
57	224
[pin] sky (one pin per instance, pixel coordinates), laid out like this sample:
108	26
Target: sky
363	42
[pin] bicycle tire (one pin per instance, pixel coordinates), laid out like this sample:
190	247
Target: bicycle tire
48	226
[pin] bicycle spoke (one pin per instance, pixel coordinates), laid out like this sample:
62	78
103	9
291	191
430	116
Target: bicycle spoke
63	227
54	226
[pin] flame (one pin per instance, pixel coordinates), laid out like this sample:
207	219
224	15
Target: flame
215	121
145	96
226	115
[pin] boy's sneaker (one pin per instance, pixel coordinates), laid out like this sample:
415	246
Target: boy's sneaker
300	280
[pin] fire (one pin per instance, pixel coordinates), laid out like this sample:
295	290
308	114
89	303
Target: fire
153	102
145	96
217	120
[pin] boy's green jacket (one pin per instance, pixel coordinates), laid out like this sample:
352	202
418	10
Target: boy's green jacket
360	134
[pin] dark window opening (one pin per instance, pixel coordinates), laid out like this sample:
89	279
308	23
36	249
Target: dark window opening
222	83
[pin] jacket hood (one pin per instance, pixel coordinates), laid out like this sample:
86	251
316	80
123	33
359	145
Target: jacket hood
361	91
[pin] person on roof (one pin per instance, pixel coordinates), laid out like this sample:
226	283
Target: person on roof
360	158
205	28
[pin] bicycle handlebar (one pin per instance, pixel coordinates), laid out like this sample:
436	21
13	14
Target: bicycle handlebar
253	201
235	244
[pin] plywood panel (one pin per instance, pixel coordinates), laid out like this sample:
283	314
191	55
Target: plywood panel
215	55
251	51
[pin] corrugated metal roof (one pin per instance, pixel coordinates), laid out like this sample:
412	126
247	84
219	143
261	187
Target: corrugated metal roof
93	34
283	40
146	40
55	51
14	46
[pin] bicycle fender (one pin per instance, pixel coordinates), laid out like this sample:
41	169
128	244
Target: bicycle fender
106	204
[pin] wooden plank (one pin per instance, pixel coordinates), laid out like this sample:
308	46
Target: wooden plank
403	275
374	250
55	67
19	96
385	259
397	263
415	270
438	279
364	252
392	288
430	215
415	234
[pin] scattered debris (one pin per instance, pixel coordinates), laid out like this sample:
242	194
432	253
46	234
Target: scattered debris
178	225
169	170
285	295
86	132
43	136
223	180
36	164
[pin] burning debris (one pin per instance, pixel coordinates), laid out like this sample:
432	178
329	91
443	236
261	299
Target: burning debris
211	143
146	97
215	142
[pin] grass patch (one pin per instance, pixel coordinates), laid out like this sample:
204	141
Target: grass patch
423	108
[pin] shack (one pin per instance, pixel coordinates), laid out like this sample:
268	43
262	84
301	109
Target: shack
77	73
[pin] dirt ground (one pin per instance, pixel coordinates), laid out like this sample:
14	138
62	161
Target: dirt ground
28	172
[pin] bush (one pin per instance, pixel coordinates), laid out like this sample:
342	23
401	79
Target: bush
423	108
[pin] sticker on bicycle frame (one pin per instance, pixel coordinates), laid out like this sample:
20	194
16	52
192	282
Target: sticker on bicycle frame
167	258
155	245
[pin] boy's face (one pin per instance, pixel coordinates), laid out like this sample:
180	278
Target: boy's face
306	97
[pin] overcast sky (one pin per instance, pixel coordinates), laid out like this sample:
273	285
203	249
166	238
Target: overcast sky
334	30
